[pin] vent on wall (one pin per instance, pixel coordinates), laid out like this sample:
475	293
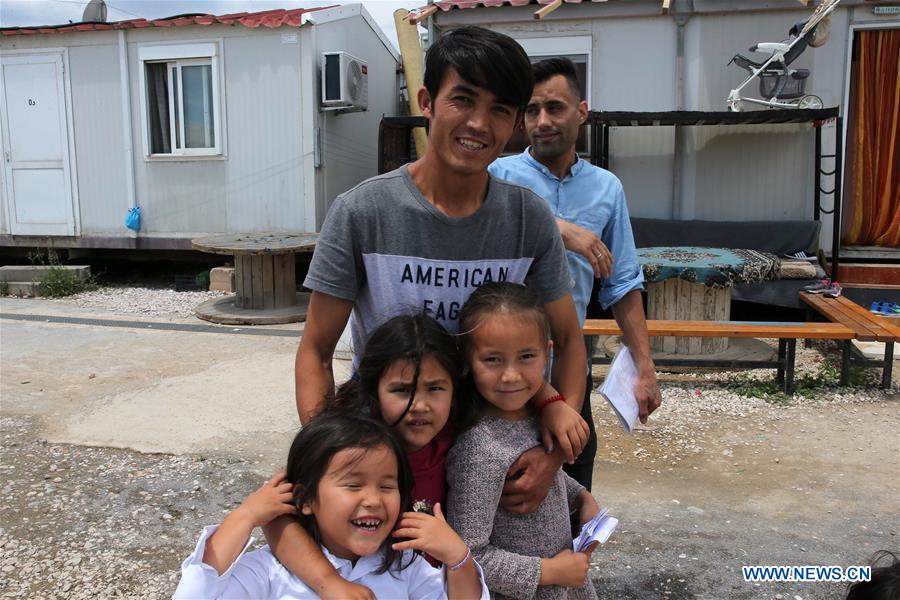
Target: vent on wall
345	82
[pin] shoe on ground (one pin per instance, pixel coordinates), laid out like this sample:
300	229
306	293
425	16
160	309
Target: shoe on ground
819	287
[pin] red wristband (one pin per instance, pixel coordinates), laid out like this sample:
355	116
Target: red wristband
551	400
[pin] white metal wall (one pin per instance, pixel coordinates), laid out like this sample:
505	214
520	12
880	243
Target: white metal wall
743	172
642	53
616	58
728	173
97	124
350	140
265	181
257	186
97	115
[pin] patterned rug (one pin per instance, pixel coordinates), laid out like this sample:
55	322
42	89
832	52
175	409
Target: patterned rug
714	267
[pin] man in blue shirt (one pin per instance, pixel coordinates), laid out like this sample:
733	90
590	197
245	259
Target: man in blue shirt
590	209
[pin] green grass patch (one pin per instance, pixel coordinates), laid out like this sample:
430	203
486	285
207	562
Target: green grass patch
57	282
811	386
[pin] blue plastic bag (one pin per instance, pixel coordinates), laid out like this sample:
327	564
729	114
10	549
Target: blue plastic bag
133	219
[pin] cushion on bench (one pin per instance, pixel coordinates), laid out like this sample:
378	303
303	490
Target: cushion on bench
795	269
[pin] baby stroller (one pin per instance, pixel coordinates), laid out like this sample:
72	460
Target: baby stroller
780	85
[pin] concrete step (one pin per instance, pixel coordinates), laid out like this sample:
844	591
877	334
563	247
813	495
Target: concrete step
20	273
21	289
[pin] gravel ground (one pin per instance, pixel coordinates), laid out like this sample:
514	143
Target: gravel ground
84	522
129	300
694	404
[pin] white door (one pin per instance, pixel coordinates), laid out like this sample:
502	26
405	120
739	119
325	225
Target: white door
36	145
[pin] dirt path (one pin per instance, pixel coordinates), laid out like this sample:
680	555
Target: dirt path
807	485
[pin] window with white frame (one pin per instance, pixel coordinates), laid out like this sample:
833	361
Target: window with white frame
181	100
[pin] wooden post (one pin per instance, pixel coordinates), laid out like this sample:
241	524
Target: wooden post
411	55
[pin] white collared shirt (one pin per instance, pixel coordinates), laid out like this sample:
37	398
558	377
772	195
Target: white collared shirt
258	574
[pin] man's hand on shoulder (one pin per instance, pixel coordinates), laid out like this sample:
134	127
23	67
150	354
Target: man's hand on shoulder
529	479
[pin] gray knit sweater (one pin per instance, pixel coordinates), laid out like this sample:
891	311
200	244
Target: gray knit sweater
509	547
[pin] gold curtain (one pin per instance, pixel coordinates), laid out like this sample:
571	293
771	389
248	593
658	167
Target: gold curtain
875	178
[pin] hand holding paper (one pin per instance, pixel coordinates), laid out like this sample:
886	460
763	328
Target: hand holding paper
597	529
618	388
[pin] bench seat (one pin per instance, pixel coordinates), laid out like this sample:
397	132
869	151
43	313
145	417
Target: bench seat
731	329
787	334
866	327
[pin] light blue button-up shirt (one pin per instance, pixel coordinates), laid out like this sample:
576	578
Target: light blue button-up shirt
592	198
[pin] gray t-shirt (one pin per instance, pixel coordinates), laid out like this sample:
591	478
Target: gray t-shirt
390	251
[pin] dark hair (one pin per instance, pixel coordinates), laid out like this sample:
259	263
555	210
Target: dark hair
484	58
406	337
501	297
551	67
885	581
319	441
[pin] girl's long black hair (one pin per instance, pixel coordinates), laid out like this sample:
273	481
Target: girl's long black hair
405	337
318	442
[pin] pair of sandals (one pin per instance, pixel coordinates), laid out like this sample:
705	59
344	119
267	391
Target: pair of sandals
885	308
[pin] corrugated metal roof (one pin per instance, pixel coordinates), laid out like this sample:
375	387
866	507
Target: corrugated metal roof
268	18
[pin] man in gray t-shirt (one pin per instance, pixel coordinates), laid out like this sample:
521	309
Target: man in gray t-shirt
422	238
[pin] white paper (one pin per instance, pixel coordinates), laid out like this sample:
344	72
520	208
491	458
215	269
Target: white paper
597	529
618	388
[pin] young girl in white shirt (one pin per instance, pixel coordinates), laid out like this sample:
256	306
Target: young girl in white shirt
347	481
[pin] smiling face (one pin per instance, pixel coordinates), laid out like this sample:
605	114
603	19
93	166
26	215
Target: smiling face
431	405
508	358
358	501
552	119
468	125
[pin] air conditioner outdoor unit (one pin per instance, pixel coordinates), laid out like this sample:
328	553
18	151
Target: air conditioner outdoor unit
345	82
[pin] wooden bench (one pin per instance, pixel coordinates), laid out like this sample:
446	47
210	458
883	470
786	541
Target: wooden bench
866	326
786	333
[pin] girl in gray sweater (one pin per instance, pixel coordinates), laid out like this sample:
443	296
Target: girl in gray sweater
506	340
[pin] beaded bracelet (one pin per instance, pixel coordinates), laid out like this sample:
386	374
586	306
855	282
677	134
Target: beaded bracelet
460	564
551	400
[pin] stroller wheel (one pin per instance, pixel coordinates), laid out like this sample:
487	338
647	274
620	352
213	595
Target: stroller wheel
810	101
735	105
